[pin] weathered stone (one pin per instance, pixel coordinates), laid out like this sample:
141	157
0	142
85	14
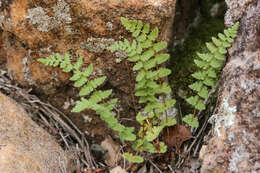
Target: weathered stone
234	145
24	146
236	10
83	28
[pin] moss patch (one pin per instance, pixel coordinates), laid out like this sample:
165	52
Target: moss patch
183	55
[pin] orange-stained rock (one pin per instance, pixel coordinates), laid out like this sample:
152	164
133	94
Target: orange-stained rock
35	29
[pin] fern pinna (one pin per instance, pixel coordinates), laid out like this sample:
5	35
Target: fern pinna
145	52
209	65
97	99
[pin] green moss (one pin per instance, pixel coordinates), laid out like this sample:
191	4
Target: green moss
182	64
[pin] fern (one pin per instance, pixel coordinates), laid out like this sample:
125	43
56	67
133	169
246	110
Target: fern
146	55
97	99
209	65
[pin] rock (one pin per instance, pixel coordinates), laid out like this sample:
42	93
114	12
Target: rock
234	145
24	146
35	29
236	10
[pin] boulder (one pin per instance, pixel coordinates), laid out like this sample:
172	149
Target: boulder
36	29
26	147
234	142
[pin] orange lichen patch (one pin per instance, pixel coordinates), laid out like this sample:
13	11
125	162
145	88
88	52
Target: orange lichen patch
136	3
91	4
47	75
87	56
14	63
99	25
62	47
18	11
31	36
40	74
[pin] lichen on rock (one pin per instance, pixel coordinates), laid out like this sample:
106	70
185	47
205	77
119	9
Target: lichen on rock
236	10
38	16
62	12
225	117
97	45
237	157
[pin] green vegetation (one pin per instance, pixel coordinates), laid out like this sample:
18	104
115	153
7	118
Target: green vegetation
97	99
146	54
209	65
184	54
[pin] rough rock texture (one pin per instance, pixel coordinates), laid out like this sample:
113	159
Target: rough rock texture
34	29
234	146
236	9
24	146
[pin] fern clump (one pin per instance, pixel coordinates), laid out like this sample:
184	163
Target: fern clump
145	52
209	65
147	57
98	100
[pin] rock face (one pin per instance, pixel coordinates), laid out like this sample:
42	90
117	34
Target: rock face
34	29
234	146
24	146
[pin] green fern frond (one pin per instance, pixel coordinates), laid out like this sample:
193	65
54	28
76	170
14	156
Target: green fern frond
209	65
133	158
81	81
161	58
191	120
160	46
97	98
83	104
78	64
144	52
153	34
86	90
